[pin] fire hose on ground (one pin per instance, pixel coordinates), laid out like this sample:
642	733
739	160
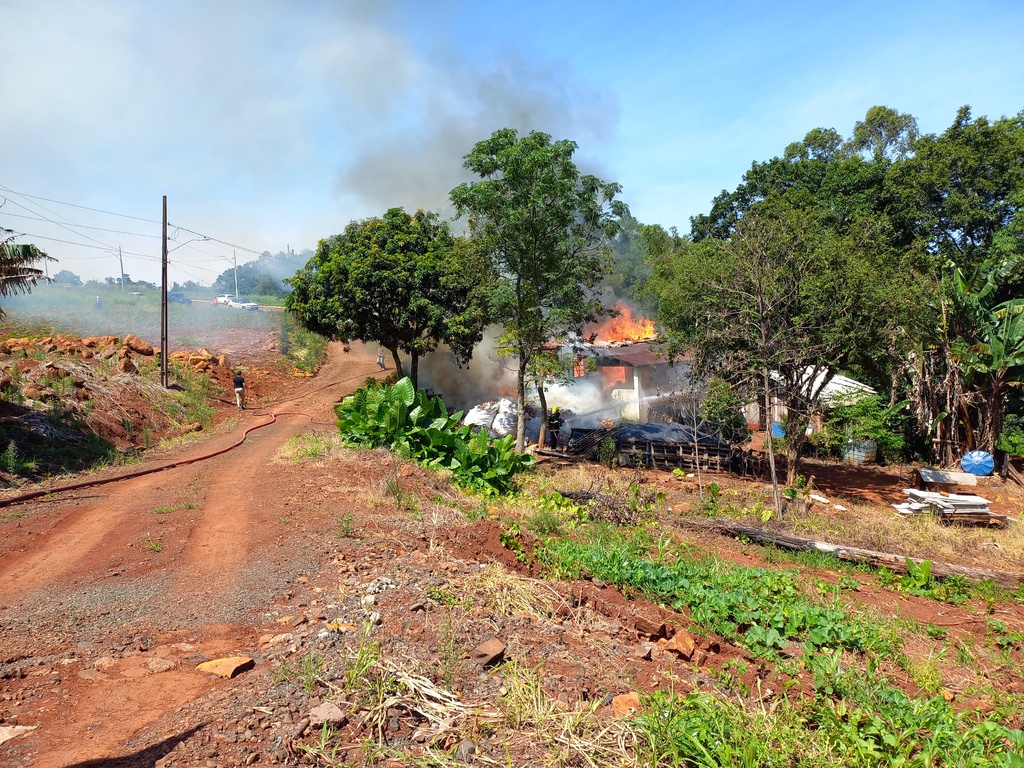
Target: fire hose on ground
28	496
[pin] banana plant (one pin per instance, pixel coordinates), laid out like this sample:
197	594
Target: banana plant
990	347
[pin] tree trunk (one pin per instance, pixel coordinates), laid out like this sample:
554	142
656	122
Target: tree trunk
543	436
898	563
993	412
414	370
768	444
397	360
796	438
521	403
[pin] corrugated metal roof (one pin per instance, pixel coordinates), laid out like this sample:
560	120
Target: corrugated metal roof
632	354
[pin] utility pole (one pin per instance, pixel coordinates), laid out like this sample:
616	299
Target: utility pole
235	258
120	260
163	303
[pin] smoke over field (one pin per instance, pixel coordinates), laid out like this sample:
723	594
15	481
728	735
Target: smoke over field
74	310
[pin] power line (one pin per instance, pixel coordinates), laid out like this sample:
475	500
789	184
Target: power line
80	226
101	244
62	225
74	205
214	239
87	245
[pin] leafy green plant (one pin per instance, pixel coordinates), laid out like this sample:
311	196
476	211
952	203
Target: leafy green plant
153	546
310	669
510	540
698	730
607	452
11	461
366	656
305	348
445	596
761	609
1011	439
419	427
328	749
343	525
868	418
919	581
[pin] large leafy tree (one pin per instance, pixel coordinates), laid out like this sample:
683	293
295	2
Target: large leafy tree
964	190
798	274
67	277
402	281
546	228
18	273
777	309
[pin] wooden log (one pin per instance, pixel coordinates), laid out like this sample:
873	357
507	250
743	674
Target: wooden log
1013	474
1006	579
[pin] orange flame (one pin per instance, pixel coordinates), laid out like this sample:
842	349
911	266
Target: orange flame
624	327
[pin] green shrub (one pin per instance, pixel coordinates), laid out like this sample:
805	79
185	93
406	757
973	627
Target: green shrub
868	419
1011	439
419	427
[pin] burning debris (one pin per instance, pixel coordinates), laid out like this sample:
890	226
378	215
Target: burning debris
622	328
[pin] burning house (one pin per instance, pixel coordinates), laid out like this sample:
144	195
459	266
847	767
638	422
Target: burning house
638	399
622	388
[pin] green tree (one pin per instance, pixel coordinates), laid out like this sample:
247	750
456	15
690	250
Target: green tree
67	277
963	189
17	273
884	133
780	307
546	228
402	281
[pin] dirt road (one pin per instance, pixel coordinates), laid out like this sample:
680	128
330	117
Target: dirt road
176	566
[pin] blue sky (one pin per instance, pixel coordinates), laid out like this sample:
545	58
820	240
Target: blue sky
273	124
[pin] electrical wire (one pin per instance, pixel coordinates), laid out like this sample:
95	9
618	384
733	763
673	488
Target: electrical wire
106	244
74	205
81	226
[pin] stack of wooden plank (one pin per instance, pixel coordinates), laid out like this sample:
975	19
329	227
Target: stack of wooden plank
951	507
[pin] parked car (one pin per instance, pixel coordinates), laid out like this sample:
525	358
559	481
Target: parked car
178	298
223	299
240	302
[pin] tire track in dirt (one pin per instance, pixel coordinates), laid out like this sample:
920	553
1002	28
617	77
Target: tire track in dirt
198	588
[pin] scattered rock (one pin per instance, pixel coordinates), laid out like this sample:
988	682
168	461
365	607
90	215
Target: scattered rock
137	345
681	644
328	712
126	365
650	629
465	749
625	704
488	653
8	732
228	667
158	665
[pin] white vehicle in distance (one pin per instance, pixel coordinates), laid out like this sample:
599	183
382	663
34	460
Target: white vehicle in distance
240	302
223	299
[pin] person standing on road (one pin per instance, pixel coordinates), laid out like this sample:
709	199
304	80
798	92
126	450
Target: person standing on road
380	360
239	382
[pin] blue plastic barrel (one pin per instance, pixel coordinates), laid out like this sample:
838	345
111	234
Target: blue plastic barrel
978	463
